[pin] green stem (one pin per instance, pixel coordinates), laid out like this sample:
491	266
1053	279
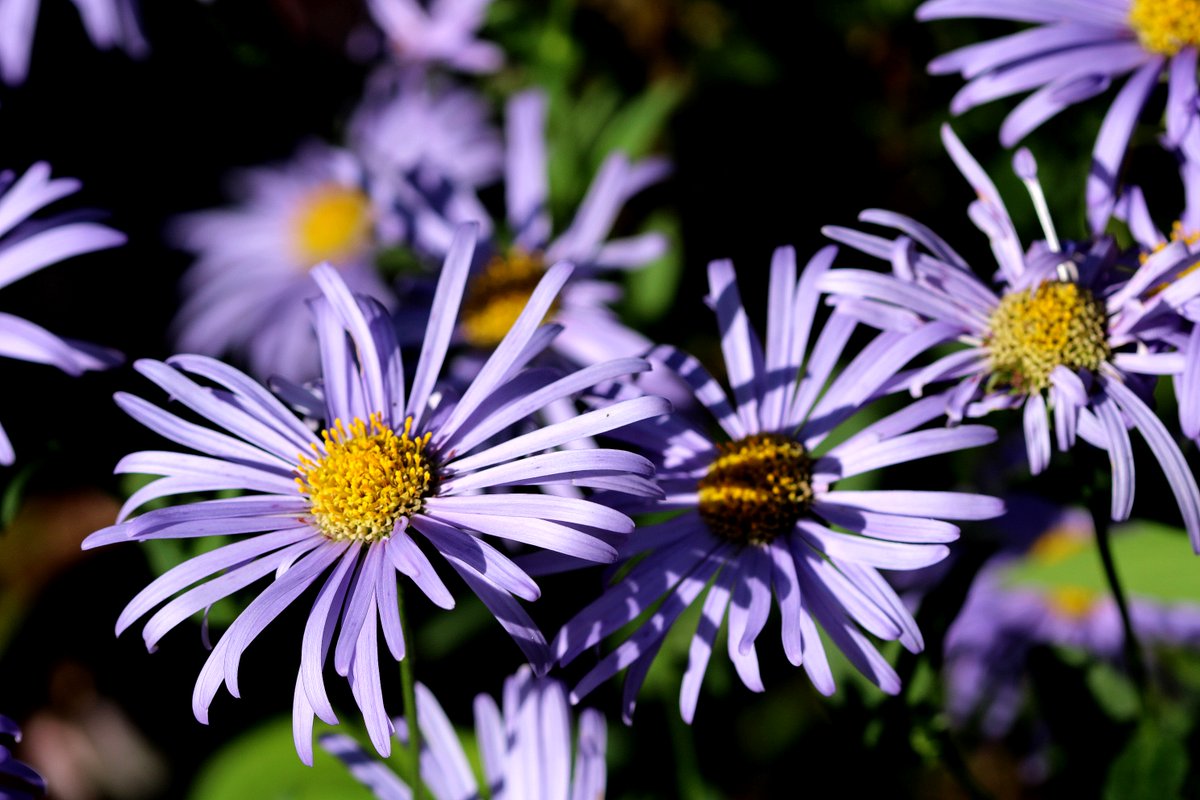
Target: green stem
408	689
1133	649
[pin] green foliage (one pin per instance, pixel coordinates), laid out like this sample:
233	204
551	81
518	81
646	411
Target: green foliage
1154	561
1152	766
262	765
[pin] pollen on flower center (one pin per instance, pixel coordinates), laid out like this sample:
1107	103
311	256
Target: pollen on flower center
496	296
756	488
332	222
1033	331
366	478
1166	26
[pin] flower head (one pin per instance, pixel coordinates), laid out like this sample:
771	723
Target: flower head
394	466
525	746
1069	337
17	780
26	246
246	291
763	520
109	23
1074	53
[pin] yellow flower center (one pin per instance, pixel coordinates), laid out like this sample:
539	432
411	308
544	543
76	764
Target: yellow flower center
1057	544
332	223
756	488
366	478
496	296
1033	331
1073	602
1166	26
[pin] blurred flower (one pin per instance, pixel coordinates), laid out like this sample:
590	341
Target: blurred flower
525	749
989	642
27	245
246	291
760	510
389	462
17	781
109	23
1073	54
433	133
506	275
433	32
1070	333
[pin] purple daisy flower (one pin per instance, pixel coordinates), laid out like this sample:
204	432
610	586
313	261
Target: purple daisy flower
761	513
1185	231
27	245
1076	50
245	293
18	781
427	32
505	275
989	642
393	466
1070	337
525	747
109	23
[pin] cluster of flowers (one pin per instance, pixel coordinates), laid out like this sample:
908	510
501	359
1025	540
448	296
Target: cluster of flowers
350	469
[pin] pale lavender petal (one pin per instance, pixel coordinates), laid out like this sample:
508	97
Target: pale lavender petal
442	319
52	245
525	169
944	505
407	557
1037	433
547	467
908	447
1113	140
739	343
318	634
364	683
361	596
366	769
510	615
1120	454
705	387
461	548
895	528
571	510
700	650
450	766
877	553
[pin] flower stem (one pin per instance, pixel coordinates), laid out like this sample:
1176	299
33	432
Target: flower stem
1134	660
408	689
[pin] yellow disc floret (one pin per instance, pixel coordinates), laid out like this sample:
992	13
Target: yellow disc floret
331	223
365	478
496	296
1033	331
1072	602
1166	26
756	488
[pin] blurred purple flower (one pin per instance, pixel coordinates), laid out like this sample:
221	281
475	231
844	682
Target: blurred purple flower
525	748
245	293
988	644
434	32
759	511
1074	53
1070	334
109	23
505	275
26	246
390	462
17	780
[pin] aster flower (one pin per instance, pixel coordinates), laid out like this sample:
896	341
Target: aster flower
525	747
26	246
245	293
1070	335
762	516
391	468
17	780
500	285
427	32
1185	231
990	640
1074	53
109	23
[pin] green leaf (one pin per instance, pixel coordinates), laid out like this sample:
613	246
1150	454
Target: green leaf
1153	765
634	129
1153	562
1115	693
262	765
651	291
